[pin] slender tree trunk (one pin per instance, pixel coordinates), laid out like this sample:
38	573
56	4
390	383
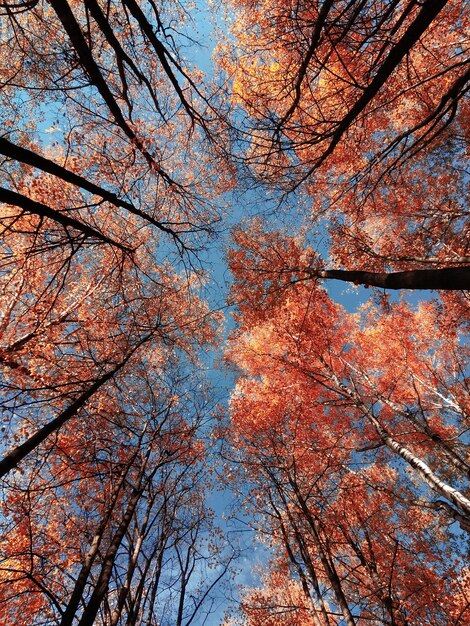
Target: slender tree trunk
124	591
448	450
303	548
330	570
23	155
441	505
184	581
328	566
307	560
38	208
101	586
369	564
296	564
455	459
85	570
16	455
430	9
87	61
147	587
150	599
422	469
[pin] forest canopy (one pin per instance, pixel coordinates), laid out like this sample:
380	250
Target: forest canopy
234	288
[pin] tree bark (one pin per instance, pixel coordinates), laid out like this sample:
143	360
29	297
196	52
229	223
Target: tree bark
303	553
77	39
82	578
449	278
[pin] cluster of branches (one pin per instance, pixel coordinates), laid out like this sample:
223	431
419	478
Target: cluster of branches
363	107
121	79
103	471
114	527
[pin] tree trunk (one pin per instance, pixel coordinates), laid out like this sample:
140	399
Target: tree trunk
328	565
12	459
37	208
449	278
91	610
430	9
422	469
23	155
85	570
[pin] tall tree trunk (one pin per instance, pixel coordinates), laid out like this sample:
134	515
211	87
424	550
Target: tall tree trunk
305	557
42	210
82	578
421	468
125	589
295	563
23	155
16	455
328	566
449	278
430	9
101	586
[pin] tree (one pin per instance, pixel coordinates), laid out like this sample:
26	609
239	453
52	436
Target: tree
105	518
362	106
349	105
102	74
109	523
350	429
83	216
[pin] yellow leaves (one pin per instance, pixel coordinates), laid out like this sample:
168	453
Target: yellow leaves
274	67
237	90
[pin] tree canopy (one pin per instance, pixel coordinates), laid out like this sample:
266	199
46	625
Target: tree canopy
323	141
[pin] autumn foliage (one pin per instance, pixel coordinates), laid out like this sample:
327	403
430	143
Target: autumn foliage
344	440
361	107
350	429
